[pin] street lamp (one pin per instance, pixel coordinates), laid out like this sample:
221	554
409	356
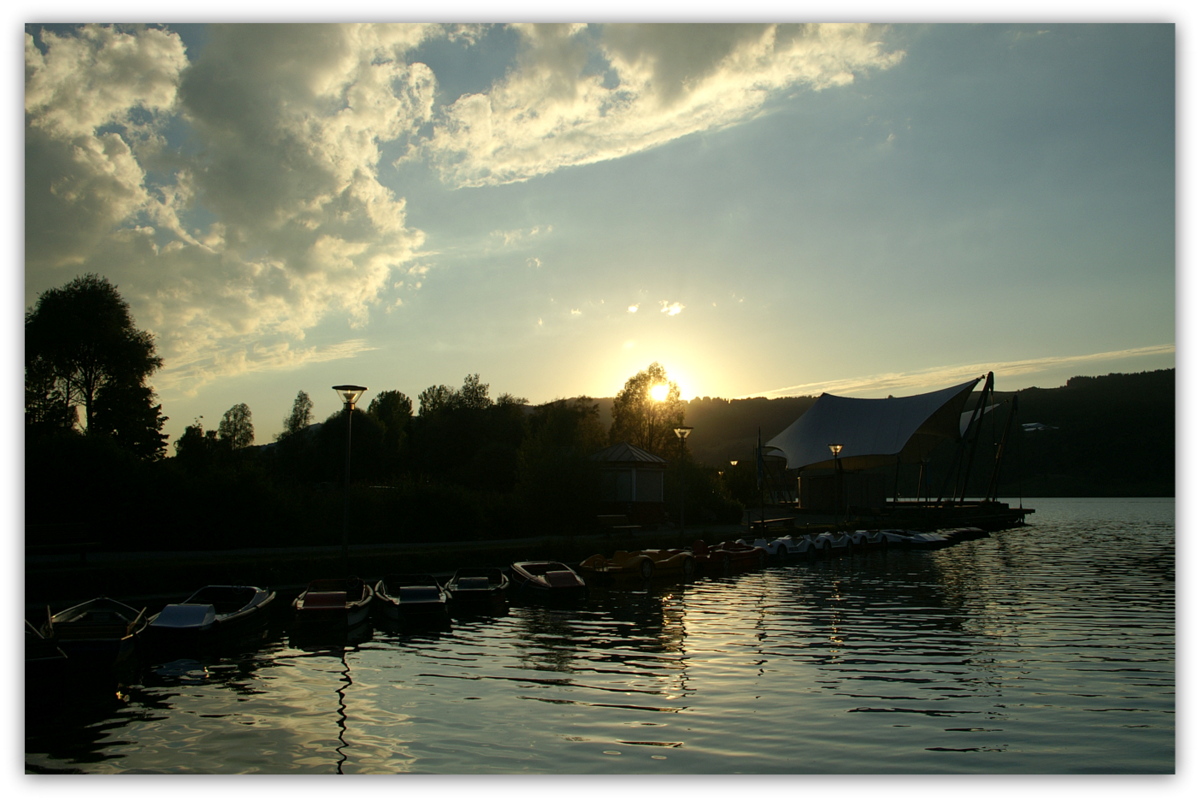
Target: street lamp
349	395
681	432
836	448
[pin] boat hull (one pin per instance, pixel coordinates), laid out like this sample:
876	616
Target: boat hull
212	615
334	603
99	633
548	581
411	600
478	590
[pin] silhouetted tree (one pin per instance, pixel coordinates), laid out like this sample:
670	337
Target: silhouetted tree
236	427
393	410
128	414
644	421
299	419
464	437
556	483
80	341
433	399
197	447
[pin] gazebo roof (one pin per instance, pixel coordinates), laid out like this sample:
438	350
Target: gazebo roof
624	453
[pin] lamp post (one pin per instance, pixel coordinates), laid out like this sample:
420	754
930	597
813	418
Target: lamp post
836	448
682	432
349	395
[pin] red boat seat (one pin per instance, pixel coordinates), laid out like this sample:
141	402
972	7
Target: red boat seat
325	600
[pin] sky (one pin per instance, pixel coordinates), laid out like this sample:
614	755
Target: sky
764	209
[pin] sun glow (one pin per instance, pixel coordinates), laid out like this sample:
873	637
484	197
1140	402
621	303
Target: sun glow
658	392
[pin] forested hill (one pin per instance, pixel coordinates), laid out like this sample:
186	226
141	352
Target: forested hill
1110	435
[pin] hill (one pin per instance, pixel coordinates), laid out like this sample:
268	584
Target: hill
1110	435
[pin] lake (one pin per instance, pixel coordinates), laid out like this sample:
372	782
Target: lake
1048	649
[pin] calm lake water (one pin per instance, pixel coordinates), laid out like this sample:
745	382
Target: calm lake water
1045	649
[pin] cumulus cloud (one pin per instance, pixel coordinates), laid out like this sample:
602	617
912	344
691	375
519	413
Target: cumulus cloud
671	309
266	219
584	94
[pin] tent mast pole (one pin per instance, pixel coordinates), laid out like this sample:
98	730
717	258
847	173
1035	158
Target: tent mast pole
976	417
994	482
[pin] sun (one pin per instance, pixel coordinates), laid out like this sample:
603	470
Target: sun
659	392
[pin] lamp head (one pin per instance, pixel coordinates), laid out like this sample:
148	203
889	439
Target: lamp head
349	393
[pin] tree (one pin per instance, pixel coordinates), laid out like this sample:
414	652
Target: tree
196	447
644	420
80	342
556	483
128	414
236	427
435	399
299	419
393	410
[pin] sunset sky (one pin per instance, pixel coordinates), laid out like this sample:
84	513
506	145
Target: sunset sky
763	209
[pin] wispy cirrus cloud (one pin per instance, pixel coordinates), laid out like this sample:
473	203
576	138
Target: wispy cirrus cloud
937	377
584	94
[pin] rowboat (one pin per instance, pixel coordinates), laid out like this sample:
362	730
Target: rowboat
334	602
727	556
477	587
411	598
213	611
643	565
548	580
101	631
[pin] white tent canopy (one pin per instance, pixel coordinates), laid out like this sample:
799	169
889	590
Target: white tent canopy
874	431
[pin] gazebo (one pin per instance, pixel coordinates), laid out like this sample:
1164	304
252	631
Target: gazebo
631	484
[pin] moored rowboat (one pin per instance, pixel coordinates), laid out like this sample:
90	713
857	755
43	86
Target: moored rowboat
212	611
334	602
101	631
550	580
411	598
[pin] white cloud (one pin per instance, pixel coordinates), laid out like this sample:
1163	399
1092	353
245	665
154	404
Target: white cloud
655	84
671	309
274	217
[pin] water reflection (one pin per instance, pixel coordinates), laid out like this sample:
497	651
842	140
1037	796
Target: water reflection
1027	652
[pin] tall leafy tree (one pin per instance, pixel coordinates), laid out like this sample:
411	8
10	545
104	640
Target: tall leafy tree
128	414
647	411
237	427
81	345
300	417
434	399
394	410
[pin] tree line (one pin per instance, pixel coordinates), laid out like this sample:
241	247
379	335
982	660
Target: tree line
455	464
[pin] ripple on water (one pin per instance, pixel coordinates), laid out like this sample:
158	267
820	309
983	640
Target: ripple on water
1045	649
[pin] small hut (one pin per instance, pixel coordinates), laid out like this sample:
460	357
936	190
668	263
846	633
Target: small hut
631	484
